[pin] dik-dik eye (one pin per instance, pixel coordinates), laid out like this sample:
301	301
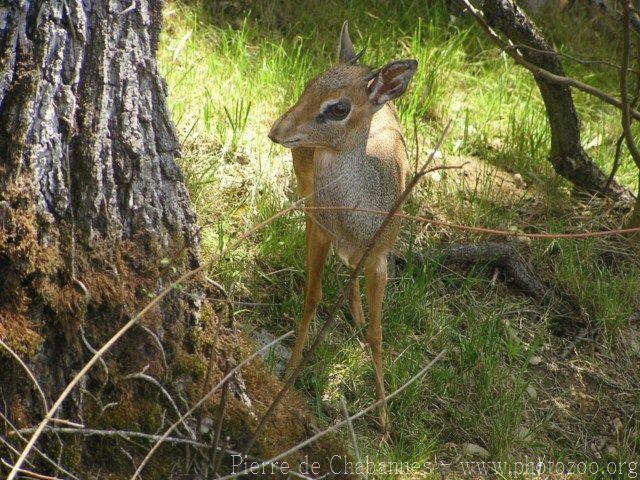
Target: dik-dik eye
338	110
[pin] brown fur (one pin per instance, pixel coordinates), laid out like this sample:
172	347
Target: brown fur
359	161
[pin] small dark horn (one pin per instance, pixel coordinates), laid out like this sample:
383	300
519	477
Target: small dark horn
372	74
357	57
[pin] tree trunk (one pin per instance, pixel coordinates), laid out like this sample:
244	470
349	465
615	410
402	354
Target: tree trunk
94	215
567	155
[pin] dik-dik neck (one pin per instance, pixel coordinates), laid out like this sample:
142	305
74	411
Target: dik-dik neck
350	155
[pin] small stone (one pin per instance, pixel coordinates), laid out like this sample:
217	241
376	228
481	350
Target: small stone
532	392
535	360
473	449
519	182
617	424
524	433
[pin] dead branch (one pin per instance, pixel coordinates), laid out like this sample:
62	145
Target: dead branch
484	230
352	434
501	255
28	372
541	72
50	461
150	379
29	473
333	316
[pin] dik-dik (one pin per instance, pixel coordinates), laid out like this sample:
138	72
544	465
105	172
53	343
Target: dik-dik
348	151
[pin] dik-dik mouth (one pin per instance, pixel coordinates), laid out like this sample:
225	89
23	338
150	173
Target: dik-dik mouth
291	142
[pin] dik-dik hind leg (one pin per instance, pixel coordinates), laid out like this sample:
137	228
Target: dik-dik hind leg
375	272
317	249
355	304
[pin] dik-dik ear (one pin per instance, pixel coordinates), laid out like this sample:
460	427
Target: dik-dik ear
346	52
391	81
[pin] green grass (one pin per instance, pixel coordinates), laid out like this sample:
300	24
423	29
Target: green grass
230	73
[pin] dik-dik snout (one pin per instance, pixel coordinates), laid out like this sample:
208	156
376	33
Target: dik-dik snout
336	108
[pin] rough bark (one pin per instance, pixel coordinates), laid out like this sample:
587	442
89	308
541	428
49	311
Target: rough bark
92	202
566	155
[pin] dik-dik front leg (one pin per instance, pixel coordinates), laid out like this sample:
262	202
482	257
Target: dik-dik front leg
375	273
317	249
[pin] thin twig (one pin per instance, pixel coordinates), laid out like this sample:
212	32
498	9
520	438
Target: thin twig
153	335
624	93
91	432
616	162
49	460
484	230
94	351
352	433
149	378
214	457
29	473
584	61
333	316
198	404
341	423
541	72
24	366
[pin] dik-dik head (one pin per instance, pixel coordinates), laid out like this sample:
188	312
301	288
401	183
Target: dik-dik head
335	109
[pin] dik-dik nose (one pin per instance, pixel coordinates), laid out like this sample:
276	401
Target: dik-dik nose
273	133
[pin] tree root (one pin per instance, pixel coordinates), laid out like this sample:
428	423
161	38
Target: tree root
569	317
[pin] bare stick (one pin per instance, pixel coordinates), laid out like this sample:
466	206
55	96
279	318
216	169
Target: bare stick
90	432
167	432
541	72
352	433
491	231
29	473
215	458
24	366
624	93
333	316
341	423
149	378
37	450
